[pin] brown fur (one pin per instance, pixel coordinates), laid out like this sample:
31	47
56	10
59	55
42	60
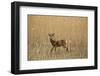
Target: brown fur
59	43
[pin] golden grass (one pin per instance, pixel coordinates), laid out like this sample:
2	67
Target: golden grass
67	28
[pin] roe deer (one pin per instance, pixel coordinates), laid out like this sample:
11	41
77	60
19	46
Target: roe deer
58	43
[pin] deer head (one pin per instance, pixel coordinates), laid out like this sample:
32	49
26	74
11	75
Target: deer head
51	36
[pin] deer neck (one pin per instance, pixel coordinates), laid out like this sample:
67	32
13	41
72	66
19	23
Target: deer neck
52	41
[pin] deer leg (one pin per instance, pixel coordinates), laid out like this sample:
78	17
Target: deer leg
69	48
65	48
55	48
52	49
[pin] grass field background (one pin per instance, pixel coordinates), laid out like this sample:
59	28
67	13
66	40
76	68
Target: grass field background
65	27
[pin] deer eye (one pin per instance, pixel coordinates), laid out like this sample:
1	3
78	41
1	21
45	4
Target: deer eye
53	34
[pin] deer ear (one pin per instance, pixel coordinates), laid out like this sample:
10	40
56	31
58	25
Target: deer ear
53	34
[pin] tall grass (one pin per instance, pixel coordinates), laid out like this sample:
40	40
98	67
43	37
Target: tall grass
67	28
